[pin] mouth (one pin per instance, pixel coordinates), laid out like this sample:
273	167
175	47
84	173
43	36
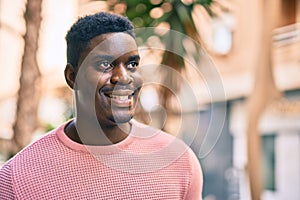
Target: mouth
121	98
122	95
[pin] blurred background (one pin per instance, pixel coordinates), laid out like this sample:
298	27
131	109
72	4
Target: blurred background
250	123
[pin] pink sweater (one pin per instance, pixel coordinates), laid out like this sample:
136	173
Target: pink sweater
148	164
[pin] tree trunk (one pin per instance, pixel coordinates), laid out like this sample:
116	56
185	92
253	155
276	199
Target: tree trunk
265	92
29	92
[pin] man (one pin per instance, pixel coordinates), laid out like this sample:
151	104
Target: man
103	153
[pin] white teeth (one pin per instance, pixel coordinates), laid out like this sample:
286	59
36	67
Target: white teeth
121	98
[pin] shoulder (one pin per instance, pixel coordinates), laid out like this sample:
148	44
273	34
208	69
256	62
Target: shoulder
23	167
151	136
37	149
195	186
151	139
171	153
143	131
6	182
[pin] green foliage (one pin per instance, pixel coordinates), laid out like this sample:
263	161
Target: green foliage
49	127
175	12
174	15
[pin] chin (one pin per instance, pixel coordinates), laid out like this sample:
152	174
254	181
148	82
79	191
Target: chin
121	116
122	119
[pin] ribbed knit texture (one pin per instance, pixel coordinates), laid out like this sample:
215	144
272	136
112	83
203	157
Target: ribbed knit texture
148	164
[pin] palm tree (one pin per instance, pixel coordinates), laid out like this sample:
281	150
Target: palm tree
29	92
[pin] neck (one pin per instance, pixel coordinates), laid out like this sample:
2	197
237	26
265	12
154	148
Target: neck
88	133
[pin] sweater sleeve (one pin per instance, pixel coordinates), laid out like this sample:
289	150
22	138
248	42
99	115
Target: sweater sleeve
6	184
194	191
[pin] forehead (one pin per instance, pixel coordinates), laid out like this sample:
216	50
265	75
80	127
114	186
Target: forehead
115	44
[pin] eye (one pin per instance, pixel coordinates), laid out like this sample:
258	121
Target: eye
104	65
132	65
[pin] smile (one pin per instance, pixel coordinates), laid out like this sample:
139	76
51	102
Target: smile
121	98
120	93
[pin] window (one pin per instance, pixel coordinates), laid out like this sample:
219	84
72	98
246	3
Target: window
268	151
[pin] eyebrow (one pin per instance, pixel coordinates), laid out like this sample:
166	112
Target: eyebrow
111	58
103	57
134	57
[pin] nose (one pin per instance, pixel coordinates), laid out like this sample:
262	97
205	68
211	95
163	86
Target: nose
120	75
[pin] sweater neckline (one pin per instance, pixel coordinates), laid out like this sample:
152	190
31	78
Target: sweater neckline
107	149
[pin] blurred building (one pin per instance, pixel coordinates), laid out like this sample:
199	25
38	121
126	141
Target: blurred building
232	39
279	127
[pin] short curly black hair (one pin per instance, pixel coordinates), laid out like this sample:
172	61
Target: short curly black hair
87	27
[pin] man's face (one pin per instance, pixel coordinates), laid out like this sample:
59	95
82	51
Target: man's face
108	82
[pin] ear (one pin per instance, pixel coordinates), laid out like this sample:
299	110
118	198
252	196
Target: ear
70	75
